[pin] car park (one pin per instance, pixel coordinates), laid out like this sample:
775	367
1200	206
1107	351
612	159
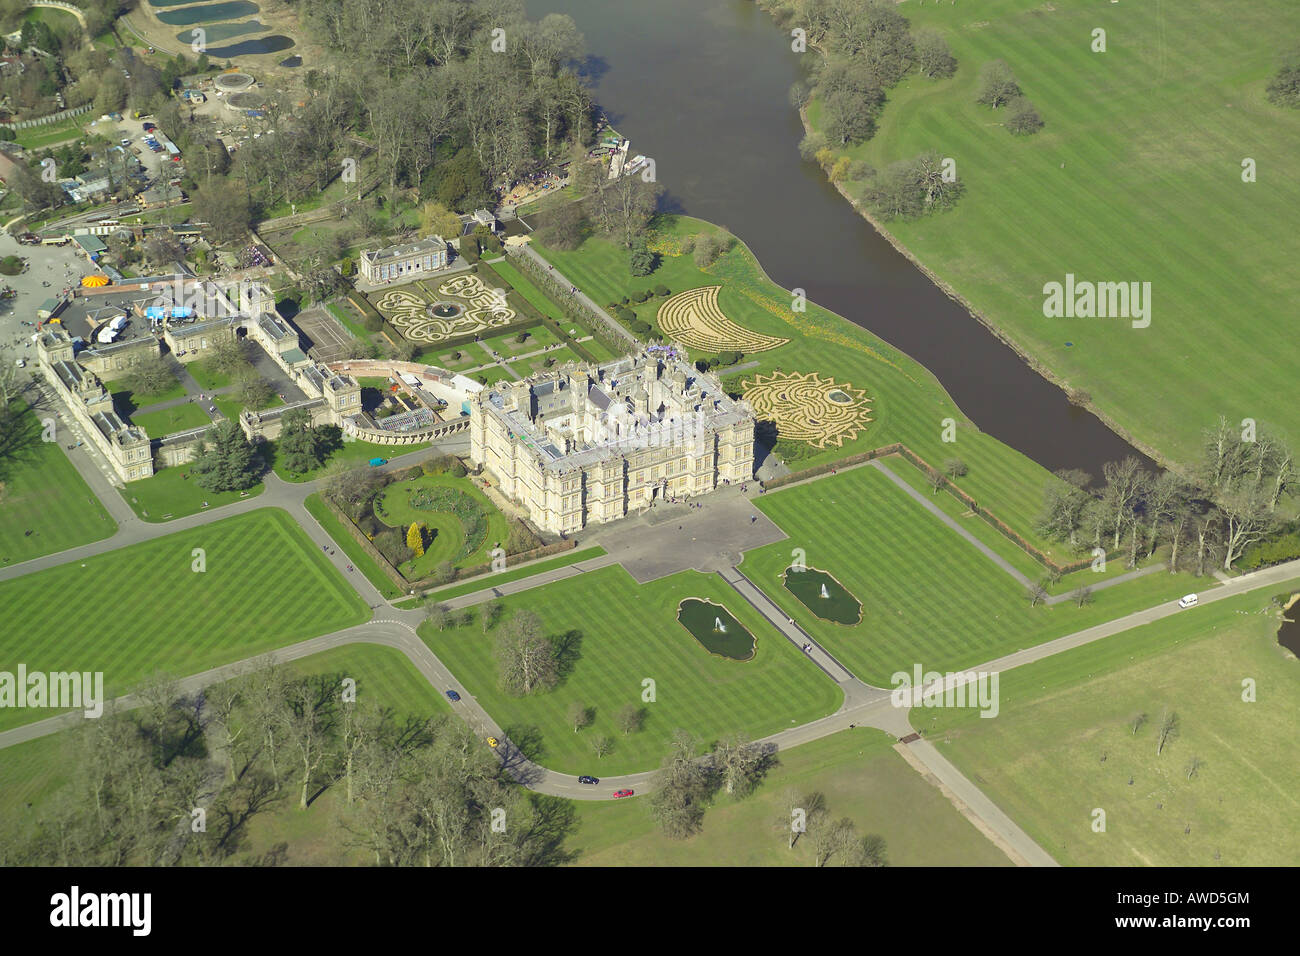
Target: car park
452	695
623	793
589	780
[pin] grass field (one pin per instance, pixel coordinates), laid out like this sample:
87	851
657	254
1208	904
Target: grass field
906	402
125	401
347	315
38	137
170	494
859	774
1062	745
265	585
928	596
206	375
628	633
529	366
44	494
353	452
539	336
168	421
1137	176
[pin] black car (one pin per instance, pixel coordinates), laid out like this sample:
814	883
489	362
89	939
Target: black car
586	779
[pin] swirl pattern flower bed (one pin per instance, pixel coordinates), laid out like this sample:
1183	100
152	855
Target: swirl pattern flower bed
473	306
808	408
694	319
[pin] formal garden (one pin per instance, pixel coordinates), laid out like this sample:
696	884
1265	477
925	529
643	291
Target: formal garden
429	523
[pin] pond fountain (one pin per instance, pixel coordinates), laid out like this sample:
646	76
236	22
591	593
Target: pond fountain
445	310
824	595
716	629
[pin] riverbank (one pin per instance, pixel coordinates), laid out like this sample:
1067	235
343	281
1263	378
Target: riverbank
947	289
1133	181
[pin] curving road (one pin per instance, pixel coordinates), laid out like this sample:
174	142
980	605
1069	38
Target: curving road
864	705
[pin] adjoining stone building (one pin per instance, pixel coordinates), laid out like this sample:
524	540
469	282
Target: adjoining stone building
190	331
405	262
126	447
586	445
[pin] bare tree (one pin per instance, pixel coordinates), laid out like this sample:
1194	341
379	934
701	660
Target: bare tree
1137	722
629	718
526	660
1168	729
1194	767
739	763
579	715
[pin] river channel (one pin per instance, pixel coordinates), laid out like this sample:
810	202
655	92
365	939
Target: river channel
702	87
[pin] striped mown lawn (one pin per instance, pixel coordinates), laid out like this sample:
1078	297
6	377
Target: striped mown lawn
1063	743
1136	177
43	493
629	633
142	609
907	403
928	596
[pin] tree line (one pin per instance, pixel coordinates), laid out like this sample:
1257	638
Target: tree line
1228	502
179	779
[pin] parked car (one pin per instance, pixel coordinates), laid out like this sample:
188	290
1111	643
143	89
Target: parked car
586	779
1187	600
493	742
148	126
452	695
623	793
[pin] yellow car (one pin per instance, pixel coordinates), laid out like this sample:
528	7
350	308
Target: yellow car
492	741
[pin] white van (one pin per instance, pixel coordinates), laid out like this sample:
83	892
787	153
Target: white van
1187	600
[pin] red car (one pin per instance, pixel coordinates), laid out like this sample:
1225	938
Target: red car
622	793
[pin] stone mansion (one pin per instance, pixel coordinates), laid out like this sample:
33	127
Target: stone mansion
583	445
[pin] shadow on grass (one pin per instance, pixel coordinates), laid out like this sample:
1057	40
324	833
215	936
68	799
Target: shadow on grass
20	437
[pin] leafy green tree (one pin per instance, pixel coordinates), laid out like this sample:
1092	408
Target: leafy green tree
933	57
641	261
1023	118
226	460
1284	88
300	446
997	84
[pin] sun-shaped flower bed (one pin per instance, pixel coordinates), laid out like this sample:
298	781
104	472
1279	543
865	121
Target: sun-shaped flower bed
805	407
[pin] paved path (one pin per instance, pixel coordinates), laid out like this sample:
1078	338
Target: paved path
582	297
792	632
992	555
864	705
